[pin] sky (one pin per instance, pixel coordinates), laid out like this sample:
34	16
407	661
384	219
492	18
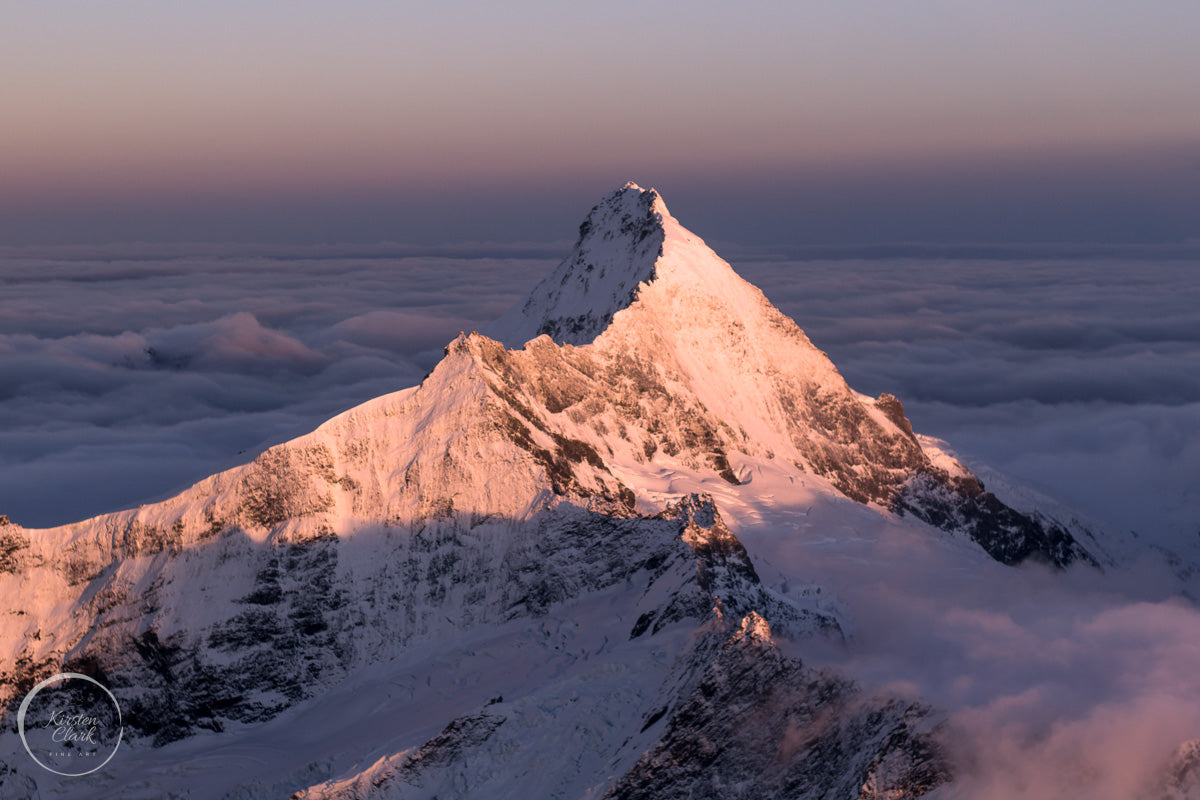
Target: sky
765	122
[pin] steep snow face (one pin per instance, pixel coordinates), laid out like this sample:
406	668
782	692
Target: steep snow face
676	336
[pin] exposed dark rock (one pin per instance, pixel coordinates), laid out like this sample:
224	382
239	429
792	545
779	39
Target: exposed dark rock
1010	537
894	410
1179	778
12	540
759	724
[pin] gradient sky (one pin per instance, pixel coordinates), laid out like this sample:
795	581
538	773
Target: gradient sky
369	120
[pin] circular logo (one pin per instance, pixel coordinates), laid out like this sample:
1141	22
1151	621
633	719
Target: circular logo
70	724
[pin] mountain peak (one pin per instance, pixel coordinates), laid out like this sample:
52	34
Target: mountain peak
694	363
631	192
620	247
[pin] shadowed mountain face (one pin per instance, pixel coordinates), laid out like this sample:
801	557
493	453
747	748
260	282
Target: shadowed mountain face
502	508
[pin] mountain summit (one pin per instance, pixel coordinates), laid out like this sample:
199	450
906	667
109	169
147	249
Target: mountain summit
525	552
620	245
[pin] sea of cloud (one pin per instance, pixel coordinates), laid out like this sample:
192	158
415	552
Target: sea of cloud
129	371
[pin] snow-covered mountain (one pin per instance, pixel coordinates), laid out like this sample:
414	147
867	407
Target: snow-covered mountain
518	579
699	365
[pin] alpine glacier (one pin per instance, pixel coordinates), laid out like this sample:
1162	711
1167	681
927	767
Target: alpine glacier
561	566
